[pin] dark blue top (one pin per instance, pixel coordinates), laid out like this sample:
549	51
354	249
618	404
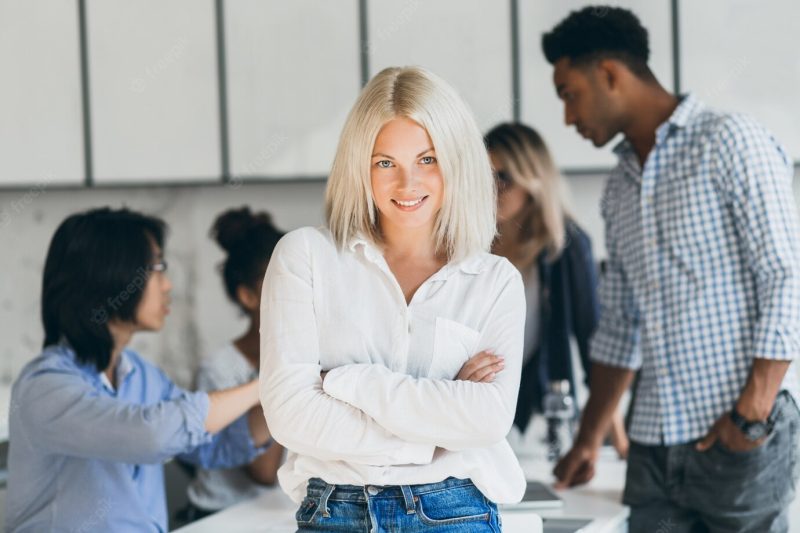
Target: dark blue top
569	310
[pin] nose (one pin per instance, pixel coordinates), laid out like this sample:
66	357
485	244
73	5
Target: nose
166	284
408	179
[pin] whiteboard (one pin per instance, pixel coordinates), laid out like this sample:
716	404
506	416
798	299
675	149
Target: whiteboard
463	41
155	104
742	55
541	108
293	75
41	131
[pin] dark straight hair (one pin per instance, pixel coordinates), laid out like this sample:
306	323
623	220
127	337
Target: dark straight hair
96	269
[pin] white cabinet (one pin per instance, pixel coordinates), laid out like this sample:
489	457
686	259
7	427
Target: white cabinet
293	74
153	90
466	42
41	130
741	55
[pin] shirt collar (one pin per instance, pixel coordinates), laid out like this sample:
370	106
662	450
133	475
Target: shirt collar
123	370
474	264
688	108
371	251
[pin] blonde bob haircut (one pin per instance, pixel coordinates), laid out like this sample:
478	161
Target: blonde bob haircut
466	223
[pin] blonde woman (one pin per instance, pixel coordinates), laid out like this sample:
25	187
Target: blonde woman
369	373
554	256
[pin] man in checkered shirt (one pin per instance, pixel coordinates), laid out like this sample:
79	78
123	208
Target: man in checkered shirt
701	294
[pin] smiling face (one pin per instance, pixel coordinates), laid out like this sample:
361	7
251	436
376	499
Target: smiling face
590	103
407	186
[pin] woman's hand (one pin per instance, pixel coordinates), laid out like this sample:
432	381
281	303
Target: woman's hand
481	367
225	406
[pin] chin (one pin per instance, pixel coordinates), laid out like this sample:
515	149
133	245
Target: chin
413	223
151	325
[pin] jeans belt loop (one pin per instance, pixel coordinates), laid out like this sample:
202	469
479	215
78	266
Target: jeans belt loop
323	500
408	496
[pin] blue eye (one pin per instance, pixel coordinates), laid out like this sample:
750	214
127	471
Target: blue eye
428	160
384	164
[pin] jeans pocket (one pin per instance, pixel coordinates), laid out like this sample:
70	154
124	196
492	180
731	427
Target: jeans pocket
452	506
307	512
741	457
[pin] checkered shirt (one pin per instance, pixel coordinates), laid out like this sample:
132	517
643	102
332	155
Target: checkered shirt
703	270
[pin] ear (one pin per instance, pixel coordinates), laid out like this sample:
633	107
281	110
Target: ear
610	73
248	298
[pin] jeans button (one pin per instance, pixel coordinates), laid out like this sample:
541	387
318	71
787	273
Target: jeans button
372	491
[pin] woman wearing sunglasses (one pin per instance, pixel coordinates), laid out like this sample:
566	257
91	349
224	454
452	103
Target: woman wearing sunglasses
91	422
554	256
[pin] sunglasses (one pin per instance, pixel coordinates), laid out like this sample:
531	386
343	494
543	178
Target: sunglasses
502	176
503	179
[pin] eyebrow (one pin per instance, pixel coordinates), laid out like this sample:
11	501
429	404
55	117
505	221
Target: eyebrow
378	154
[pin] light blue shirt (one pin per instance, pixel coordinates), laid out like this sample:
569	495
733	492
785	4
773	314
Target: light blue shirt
85	457
703	271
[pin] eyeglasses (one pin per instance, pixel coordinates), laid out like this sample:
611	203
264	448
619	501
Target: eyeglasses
503	179
161	266
502	175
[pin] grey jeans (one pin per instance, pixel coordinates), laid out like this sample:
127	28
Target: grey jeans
674	489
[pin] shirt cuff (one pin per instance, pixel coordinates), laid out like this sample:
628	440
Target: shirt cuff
342	382
776	343
195	407
239	432
619	349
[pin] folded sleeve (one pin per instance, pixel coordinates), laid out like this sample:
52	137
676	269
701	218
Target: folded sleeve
758	177
62	413
616	340
233	446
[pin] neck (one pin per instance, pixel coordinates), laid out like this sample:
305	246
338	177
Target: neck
652	106
249	343
509	230
121	334
416	243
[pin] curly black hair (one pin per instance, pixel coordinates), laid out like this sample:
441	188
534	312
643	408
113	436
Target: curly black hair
600	32
248	239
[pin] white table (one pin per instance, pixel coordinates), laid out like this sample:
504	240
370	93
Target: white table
273	512
600	500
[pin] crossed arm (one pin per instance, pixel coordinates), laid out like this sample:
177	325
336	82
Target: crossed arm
368	414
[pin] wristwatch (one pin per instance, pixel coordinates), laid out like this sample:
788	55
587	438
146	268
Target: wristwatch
753	431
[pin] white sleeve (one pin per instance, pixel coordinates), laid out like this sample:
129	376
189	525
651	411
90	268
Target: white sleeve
300	415
450	414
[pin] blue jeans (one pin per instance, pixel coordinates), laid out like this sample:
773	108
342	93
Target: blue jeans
677	489
450	506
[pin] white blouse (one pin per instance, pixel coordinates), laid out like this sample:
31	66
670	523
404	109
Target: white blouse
390	411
